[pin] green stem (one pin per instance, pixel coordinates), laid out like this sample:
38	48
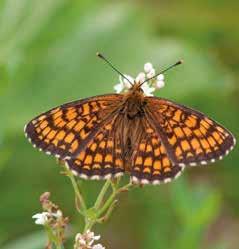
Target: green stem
107	204
108	212
77	192
89	224
53	238
93	214
102	194
111	199
125	187
59	246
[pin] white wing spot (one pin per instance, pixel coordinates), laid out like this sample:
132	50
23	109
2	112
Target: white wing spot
156	182
181	164
119	174
134	179
25	127
95	177
74	172
108	176
167	180
84	176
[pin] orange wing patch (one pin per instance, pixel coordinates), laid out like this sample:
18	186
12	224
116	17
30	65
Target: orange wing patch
102	157
190	137
65	130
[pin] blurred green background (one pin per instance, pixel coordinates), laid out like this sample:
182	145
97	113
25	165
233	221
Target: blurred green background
47	57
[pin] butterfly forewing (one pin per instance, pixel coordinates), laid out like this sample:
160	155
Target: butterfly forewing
189	136
66	130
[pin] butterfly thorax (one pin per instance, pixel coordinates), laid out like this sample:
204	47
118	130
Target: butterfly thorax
134	101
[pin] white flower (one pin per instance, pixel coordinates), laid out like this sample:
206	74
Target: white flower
91	237
160	77
124	83
148	67
41	218
140	78
160	81
85	240
147	89
98	246
119	87
58	214
159	84
151	73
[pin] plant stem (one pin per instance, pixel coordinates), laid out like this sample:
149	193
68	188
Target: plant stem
59	246
89	224
54	238
77	192
94	214
102	194
111	199
107	204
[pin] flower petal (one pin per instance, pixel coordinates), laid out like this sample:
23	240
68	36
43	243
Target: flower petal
140	78
119	88
96	237
148	67
160	77
151	73
126	82
147	89
98	246
41	218
159	84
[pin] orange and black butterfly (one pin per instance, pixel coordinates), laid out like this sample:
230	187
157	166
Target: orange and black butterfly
151	138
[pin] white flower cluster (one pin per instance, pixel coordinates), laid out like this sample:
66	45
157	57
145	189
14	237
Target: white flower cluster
86	241
43	218
148	87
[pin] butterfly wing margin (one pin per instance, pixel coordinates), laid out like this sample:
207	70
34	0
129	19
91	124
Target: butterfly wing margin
190	137
65	130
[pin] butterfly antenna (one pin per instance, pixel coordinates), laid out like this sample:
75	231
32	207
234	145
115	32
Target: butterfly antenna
113	67
163	71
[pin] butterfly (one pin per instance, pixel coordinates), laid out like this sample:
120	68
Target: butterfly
151	138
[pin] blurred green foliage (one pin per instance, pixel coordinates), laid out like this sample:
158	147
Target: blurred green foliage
47	57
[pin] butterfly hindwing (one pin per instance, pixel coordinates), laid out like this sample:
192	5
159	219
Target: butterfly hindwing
150	163
65	130
189	136
102	157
